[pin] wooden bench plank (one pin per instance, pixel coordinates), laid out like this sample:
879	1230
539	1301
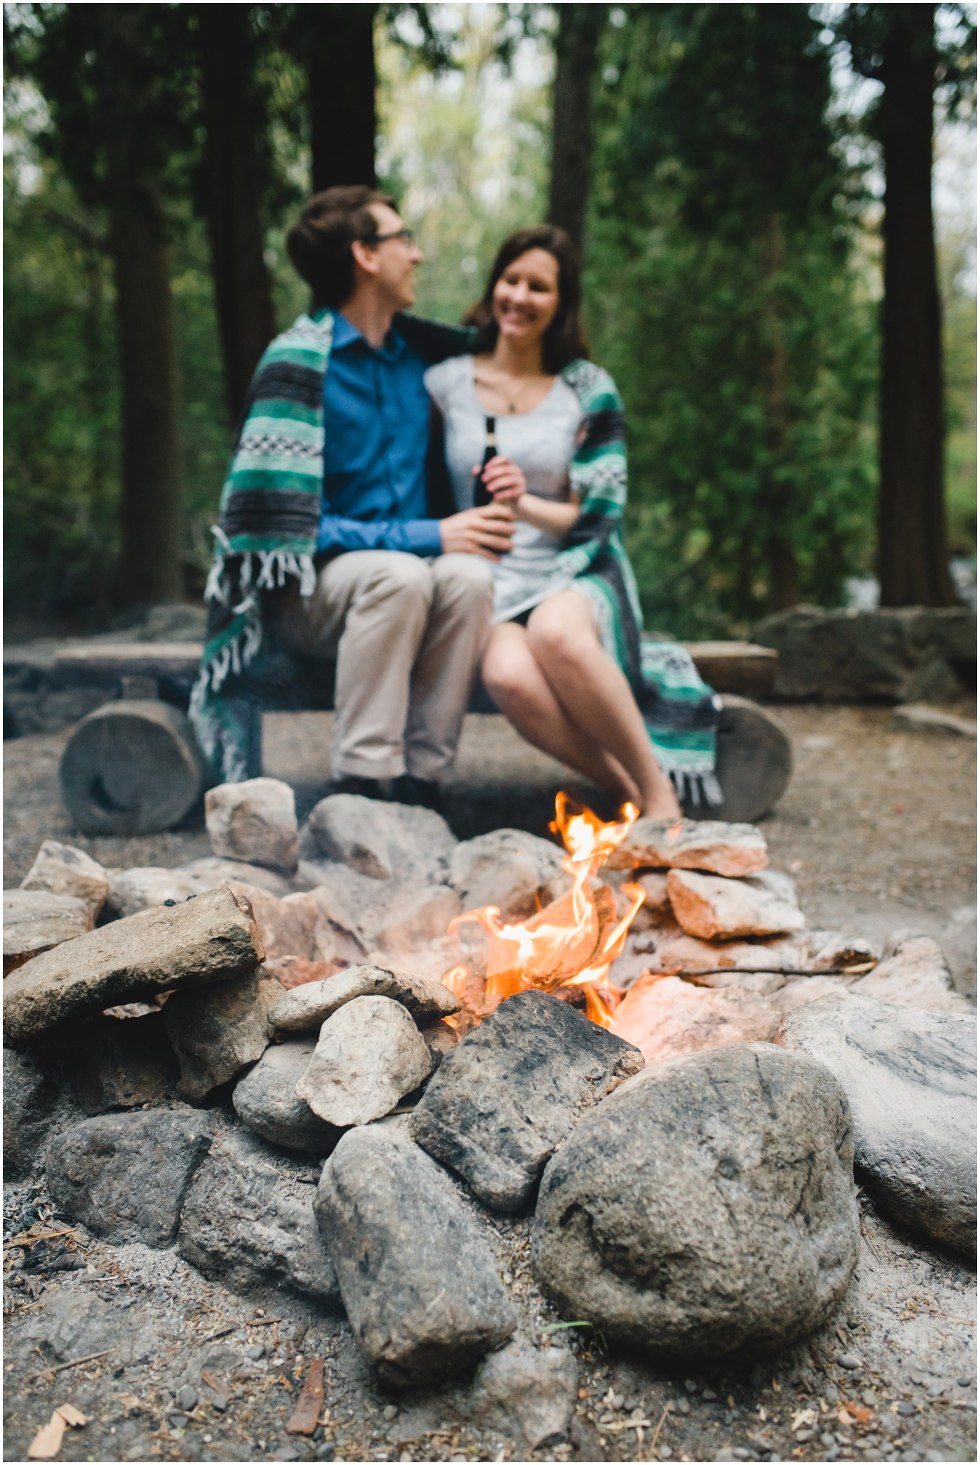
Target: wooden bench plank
727	666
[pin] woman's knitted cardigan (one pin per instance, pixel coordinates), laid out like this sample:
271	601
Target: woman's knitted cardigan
269	518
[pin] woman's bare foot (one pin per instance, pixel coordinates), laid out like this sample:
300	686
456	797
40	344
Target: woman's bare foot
660	802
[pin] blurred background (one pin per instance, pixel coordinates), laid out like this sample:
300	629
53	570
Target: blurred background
775	205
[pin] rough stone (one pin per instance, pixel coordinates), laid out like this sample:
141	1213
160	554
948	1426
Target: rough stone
307	1008
30	1104
248	1219
217	1031
507	1096
287	924
253	821
534	1387
295	971
382	841
705	1210
265	1100
711	906
211	872
209	939
417	915
144	887
690	844
666	1018
417	1279
351	906
369	1055
509	868
656	908
71	1325
911	1080
913	972
918	718
125	1176
904	655
38	920
64	870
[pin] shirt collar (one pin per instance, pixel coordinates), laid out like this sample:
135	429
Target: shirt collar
345	334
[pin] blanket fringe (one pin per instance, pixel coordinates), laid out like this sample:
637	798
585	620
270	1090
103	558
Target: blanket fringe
695	789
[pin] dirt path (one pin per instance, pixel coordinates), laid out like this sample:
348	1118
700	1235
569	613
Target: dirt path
877	828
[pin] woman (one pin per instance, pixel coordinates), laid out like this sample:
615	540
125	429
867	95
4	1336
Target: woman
564	662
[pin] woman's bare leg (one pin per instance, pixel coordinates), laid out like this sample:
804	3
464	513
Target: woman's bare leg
516	683
596	697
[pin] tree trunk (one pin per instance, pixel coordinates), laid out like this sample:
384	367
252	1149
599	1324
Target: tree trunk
912	549
342	78
233	196
778	492
579	28
150	510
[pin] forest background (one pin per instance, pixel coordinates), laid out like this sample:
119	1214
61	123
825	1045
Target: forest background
751	188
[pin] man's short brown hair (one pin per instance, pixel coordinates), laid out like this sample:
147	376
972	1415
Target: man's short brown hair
319	243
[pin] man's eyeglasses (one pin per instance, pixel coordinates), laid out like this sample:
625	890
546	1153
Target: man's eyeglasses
407	236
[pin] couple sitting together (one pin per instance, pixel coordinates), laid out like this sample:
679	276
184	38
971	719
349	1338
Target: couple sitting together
352	528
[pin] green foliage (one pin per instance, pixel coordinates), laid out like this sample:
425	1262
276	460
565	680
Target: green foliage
723	302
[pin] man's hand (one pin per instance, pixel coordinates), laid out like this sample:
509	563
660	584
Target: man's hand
488	532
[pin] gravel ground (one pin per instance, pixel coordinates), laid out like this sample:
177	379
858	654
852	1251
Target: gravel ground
878	830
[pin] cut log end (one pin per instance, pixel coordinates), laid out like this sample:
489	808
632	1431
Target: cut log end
131	767
755	760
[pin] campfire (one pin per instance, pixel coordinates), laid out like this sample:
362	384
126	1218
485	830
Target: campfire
568	946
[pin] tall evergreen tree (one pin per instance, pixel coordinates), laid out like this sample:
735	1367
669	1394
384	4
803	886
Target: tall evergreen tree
896	46
576	44
726	307
112	79
233	168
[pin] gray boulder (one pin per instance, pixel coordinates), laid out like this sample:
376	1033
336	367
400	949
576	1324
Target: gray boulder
369	1055
248	1220
219	1030
382	841
506	1097
705	1210
911	1080
265	1100
417	1279
125	1176
904	655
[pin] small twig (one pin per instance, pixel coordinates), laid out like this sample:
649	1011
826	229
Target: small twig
656	1433
72	1363
27	1238
259	1322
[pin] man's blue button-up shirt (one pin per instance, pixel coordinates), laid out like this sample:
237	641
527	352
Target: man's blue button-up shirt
376	435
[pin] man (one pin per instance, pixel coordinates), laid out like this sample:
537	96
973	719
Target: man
325	530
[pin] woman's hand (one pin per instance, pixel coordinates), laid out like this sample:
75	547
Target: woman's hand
504	480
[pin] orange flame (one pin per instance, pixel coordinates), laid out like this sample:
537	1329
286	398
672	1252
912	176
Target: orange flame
570	943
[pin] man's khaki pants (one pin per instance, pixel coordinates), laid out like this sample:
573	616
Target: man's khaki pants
407	635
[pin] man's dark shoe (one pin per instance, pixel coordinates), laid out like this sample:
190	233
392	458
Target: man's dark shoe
421	793
352	783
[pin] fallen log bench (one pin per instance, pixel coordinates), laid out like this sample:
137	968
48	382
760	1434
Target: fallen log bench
133	767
